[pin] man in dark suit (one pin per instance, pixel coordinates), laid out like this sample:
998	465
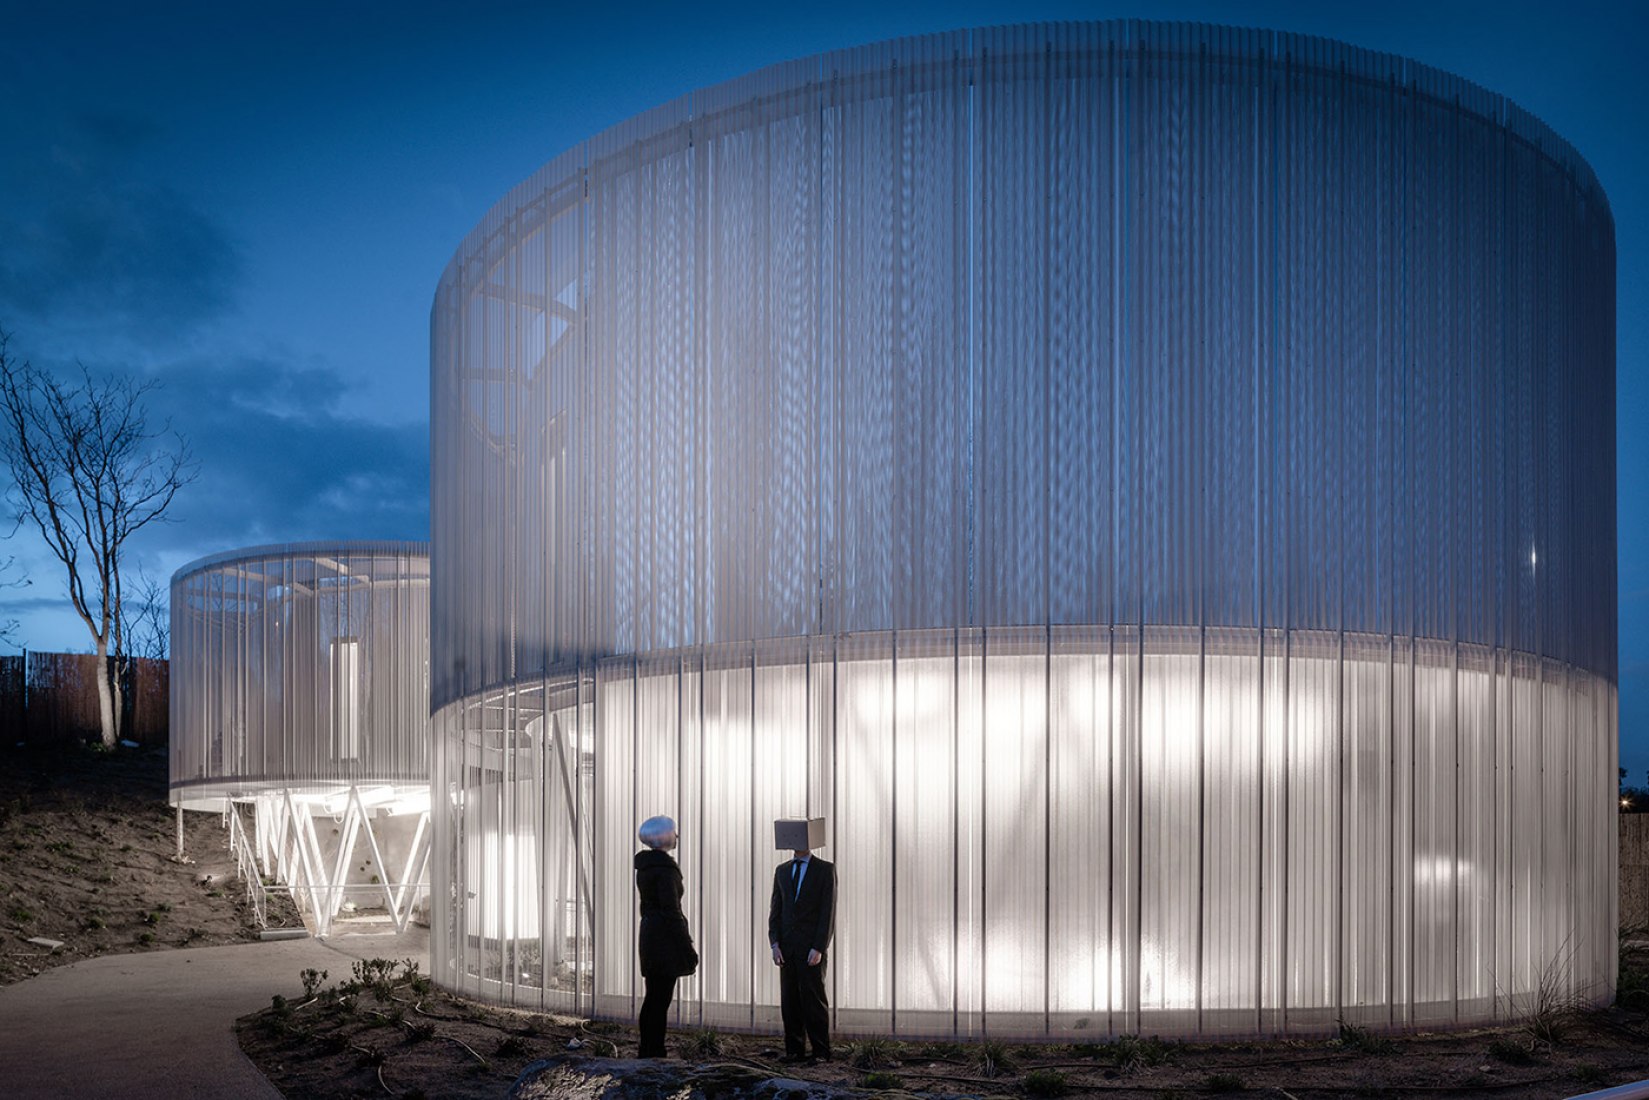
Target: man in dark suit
800	921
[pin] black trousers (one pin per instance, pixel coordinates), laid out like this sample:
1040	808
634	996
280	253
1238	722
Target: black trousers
655	1010
804	1006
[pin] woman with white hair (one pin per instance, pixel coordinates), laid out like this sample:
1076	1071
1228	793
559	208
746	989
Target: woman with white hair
665	946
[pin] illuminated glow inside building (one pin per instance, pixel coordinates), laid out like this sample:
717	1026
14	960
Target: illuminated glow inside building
1149	487
300	697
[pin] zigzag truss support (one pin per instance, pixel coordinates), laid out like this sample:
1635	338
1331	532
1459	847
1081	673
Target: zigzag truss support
323	877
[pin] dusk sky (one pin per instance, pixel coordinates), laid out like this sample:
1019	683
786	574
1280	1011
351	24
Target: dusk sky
252	205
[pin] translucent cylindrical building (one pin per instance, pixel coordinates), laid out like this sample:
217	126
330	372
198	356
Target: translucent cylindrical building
1150	487
300	693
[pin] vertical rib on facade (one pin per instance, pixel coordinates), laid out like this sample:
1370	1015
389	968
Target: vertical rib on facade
1150	486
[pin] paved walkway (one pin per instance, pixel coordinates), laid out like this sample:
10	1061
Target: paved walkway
161	1024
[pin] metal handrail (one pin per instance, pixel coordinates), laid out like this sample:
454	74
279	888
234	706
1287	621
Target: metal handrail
246	866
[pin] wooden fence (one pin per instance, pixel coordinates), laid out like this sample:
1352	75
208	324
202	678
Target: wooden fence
53	697
1634	872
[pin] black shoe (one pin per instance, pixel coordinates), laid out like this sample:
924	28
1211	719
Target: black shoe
823	1055
793	1059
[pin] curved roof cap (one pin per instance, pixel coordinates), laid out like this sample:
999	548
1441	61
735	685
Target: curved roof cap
1296	52
282	549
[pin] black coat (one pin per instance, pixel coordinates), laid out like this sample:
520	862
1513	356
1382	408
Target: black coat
665	946
802	924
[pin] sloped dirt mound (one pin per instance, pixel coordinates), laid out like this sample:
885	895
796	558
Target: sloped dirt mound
86	858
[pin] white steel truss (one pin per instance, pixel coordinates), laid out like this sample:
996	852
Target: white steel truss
290	849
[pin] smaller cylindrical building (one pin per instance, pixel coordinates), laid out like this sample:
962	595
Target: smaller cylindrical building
300	693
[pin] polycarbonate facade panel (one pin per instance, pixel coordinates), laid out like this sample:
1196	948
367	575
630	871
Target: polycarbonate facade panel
1151	487
298	667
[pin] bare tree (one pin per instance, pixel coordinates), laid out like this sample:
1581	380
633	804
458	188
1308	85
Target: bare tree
89	473
148	627
9	628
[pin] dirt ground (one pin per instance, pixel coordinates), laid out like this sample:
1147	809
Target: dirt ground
368	1035
86	847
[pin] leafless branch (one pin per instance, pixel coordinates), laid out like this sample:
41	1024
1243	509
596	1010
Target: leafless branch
11	577
146	624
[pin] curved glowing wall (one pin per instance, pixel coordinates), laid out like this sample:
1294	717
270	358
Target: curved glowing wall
1149	486
303	666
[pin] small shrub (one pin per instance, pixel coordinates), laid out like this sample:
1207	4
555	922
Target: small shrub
1130	1052
510	1046
1548	1027
280	1006
371	1056
1553	1003
1046	1082
145	937
1509	1050
378	975
1224	1082
881	1079
151	918
1588	1074
420	1032
872	1052
311	979
20	914
706	1042
92	923
994	1057
1359	1039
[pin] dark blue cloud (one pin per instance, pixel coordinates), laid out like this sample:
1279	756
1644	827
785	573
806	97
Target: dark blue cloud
93	246
283	456
105	262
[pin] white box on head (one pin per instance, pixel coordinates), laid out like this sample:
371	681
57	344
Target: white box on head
795	833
